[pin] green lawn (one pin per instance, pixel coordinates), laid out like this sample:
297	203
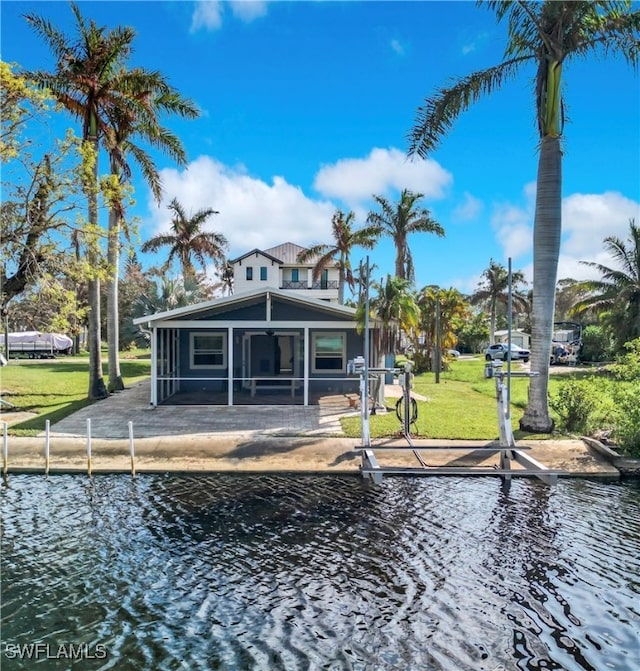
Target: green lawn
462	406
56	388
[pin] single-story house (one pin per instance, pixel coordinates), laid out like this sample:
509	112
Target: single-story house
265	345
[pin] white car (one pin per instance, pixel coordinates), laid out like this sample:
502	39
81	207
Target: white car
499	351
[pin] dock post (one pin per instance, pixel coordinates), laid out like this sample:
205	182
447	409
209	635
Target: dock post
89	447
132	450
5	448
47	445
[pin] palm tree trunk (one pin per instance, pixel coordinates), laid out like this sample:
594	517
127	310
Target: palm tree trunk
97	388
546	248
113	339
341	283
399	244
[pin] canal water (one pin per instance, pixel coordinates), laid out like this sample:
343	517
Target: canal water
276	572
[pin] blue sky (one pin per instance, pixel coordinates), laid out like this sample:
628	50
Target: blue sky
306	107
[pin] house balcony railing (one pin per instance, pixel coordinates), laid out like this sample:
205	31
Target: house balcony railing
329	284
290	284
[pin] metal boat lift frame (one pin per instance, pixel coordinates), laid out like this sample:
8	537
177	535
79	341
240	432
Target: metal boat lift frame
507	449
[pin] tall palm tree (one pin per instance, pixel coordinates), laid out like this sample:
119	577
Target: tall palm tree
88	81
398	221
493	291
187	241
338	253
547	34
126	127
617	293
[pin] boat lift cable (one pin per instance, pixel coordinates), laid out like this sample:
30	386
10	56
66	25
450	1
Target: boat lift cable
409	406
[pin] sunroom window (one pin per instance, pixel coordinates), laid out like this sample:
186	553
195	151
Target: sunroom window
328	352
208	350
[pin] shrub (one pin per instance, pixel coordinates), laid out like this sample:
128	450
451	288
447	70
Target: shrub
595	344
627	418
575	404
627	366
401	360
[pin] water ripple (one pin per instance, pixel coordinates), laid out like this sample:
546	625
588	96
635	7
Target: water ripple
275	572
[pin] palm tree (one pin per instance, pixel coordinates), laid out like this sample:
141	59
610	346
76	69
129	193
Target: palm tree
88	82
361	278
394	305
338	253
155	96
187	241
454	311
616	296
398	222
170	293
493	291
224	285
547	34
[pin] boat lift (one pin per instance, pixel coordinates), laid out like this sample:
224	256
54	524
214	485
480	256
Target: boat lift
509	453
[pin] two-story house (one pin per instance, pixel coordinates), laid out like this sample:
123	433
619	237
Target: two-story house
278	267
281	338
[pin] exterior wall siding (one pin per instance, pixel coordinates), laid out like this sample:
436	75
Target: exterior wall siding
255	262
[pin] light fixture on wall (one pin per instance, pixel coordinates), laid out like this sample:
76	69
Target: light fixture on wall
269	332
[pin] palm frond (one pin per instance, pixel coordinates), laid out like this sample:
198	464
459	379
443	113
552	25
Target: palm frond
440	111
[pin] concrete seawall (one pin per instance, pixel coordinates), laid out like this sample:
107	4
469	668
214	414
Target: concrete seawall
249	452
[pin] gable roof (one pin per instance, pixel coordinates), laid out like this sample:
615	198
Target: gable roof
257	252
285	254
191	310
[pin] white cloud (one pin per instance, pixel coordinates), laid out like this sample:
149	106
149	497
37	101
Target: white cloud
354	180
474	44
589	218
398	47
248	10
253	213
586	220
513	224
468	210
207	14
465	285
